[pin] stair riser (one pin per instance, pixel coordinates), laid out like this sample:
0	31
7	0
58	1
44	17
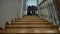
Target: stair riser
29	33
31	23
32	27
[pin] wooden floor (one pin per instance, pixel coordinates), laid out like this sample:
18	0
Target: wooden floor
30	25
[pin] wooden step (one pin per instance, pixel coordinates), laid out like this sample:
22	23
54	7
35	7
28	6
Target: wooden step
33	30
33	22
31	26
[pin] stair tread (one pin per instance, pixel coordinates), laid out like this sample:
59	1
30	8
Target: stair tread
23	30
31	22
19	26
30	26
25	23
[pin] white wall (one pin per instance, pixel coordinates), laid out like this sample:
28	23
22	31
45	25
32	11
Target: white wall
9	9
32	2
44	10
39	1
48	10
24	7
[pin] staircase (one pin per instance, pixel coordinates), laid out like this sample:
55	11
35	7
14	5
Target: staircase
30	25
